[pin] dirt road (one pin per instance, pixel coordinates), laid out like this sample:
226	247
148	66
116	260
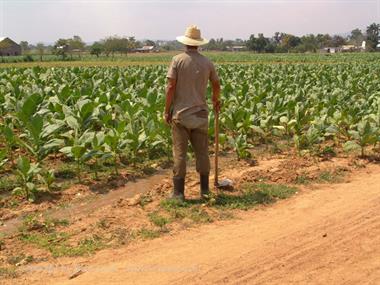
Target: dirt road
330	235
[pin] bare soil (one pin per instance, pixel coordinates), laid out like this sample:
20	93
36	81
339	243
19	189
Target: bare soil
329	233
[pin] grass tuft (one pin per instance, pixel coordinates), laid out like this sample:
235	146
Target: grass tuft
8	272
57	243
158	220
33	222
253	195
302	179
331	176
145	234
169	204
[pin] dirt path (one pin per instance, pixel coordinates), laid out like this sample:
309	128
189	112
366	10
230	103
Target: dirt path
330	235
77	208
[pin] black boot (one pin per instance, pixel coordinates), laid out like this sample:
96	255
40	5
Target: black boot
205	191
179	188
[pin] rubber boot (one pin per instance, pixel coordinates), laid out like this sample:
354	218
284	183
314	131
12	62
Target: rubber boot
205	191
179	188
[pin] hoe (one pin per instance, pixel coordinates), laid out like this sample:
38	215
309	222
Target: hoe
225	184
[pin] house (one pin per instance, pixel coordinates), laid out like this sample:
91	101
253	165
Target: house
145	49
363	45
348	48
236	48
330	50
9	47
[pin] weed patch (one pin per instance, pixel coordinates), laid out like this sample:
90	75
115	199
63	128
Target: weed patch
331	176
33	222
44	235
158	220
145	233
254	194
8	272
302	179
57	243
8	183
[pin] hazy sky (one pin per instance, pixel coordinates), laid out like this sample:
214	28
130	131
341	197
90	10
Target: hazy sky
38	20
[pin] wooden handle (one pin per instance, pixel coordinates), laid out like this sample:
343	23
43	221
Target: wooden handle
216	129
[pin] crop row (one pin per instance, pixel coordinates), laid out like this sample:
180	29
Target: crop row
98	115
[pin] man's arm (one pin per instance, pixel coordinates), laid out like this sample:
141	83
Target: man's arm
216	94
170	90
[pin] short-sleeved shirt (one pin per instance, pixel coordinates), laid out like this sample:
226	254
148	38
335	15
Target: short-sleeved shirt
192	72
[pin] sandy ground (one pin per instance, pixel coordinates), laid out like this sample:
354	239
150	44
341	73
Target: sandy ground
330	235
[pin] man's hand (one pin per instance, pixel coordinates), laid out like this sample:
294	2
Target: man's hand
170	90
168	118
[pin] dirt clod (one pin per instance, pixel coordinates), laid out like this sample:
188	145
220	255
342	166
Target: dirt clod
135	200
76	274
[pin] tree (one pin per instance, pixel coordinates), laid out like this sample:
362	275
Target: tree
308	43
323	40
252	43
24	46
61	47
132	44
116	44
212	45
277	38
150	43
228	44
372	38
270	46
338	41
261	43
289	42
96	49
76	44
123	46
356	37
40	49
220	44
110	45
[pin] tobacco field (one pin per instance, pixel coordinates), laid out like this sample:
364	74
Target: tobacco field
109	117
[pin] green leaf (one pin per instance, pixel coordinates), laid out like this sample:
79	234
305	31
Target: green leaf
258	130
52	128
35	127
78	151
350	146
87	110
23	165
72	123
18	191
281	128
9	135
66	150
53	143
29	107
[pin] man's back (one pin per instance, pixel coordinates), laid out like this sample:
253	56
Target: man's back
192	71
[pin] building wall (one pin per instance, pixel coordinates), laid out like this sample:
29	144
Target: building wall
10	51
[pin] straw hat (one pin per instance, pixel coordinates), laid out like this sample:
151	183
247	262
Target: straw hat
192	37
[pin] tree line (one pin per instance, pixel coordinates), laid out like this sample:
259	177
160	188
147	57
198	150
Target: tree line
66	48
279	42
283	42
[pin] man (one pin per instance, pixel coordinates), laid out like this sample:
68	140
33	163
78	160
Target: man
186	109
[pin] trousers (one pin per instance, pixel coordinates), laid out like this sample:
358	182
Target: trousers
198	138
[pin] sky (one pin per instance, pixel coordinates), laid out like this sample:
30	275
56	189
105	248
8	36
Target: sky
47	20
